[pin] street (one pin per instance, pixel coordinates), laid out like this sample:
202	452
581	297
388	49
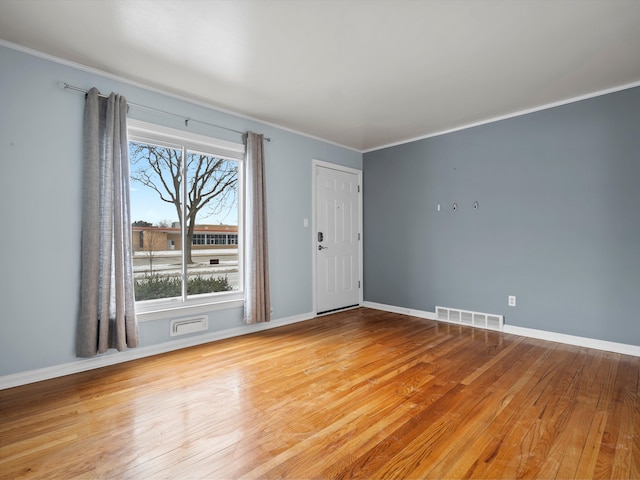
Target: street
168	262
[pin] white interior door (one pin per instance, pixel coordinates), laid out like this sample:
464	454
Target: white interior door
337	239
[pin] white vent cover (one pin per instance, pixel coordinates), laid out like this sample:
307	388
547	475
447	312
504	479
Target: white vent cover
473	319
188	325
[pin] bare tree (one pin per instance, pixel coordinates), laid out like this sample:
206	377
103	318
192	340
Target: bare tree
153	242
212	182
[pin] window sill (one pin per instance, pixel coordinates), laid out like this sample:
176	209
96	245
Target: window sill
165	310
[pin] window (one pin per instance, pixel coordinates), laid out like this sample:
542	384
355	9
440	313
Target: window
186	199
215	239
198	239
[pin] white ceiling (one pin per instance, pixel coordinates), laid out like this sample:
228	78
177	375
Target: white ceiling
359	73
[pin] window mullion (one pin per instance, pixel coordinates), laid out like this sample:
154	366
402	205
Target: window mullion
183	226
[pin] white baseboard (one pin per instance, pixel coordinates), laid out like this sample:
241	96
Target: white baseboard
82	365
23	378
596	344
400	310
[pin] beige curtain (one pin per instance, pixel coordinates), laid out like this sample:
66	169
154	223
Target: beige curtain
107	307
257	304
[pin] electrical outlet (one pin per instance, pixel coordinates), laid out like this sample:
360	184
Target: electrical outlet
512	300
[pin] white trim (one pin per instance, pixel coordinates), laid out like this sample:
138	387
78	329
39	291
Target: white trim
518	113
164	310
110	76
401	310
340	168
320	163
146	131
594	343
23	378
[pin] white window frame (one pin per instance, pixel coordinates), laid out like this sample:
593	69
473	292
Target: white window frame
157	309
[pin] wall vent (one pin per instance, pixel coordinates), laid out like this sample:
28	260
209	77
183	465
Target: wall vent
473	319
188	325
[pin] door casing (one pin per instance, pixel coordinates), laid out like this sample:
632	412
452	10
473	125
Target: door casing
314	239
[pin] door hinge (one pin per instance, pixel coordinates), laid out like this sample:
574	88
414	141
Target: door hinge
358	283
358	236
358	188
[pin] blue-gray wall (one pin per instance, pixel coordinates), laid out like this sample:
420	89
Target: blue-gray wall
558	224
40	151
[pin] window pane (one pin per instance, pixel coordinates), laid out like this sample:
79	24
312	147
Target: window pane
155	205
212	213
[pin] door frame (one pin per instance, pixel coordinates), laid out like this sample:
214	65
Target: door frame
314	236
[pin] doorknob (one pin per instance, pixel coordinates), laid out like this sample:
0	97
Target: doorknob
320	247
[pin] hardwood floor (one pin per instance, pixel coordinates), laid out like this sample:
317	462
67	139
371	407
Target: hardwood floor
358	394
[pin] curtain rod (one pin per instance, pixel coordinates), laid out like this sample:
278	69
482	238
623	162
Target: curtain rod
67	86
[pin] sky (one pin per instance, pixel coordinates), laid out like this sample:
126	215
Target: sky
147	206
